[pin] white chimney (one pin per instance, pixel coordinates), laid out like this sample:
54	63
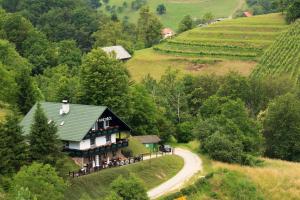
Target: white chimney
65	107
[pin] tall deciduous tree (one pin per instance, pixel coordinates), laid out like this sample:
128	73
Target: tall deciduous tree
185	24
148	28
39	181
26	92
13	151
129	189
105	81
282	128
44	146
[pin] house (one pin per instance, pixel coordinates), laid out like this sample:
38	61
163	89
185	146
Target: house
247	14
167	33
119	51
91	134
150	141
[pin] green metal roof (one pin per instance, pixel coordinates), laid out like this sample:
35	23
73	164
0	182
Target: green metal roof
76	124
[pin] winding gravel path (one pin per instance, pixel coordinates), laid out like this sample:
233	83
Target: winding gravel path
192	165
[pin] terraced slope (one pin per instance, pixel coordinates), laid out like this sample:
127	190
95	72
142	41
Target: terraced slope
230	45
283	57
243	38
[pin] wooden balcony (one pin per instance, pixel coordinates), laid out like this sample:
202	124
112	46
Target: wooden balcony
98	150
102	131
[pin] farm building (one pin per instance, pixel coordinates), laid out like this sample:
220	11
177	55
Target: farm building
167	33
247	14
91	134
118	51
150	141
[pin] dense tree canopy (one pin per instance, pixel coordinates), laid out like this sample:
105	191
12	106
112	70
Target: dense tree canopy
38	182
105	81
129	189
282	128
13	151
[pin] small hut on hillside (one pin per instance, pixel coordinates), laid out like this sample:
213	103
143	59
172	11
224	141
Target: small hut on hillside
150	141
119	51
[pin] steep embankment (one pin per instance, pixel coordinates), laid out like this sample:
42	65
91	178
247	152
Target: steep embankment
218	48
283	57
151	172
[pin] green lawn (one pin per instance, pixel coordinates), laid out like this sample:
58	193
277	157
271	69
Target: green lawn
152	173
136	147
177	9
230	45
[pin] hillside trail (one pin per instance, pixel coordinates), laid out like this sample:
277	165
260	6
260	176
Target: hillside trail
192	165
239	6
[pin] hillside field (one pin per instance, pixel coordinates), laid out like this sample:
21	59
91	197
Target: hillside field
230	45
177	9
276	179
283	57
151	172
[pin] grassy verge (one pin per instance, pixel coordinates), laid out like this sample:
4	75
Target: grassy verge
151	172
276	179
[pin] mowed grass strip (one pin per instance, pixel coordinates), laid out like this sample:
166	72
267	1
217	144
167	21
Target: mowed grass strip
279	180
151	172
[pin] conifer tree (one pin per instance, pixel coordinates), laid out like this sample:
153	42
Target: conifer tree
26	95
44	143
13	151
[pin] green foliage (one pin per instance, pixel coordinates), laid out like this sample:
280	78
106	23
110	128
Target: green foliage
7	93
13	151
44	146
293	11
281	128
105	81
143	117
129	189
26	96
185	24
227	132
234	86
60	83
282	58
207	17
38	181
68	53
148	28
161	9
184	133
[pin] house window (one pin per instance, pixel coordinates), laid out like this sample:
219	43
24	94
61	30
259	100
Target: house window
106	124
108	138
92	141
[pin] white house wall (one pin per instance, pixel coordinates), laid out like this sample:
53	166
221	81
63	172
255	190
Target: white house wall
85	144
114	138
74	145
100	141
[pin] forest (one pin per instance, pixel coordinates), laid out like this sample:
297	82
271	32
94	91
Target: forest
50	50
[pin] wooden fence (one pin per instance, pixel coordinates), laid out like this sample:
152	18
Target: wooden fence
118	163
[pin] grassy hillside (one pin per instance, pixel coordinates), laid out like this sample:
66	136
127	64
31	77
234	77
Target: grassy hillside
151	173
279	180
218	48
221	184
276	179
283	57
177	9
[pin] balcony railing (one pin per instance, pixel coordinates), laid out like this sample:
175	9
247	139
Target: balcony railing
120	143
102	131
